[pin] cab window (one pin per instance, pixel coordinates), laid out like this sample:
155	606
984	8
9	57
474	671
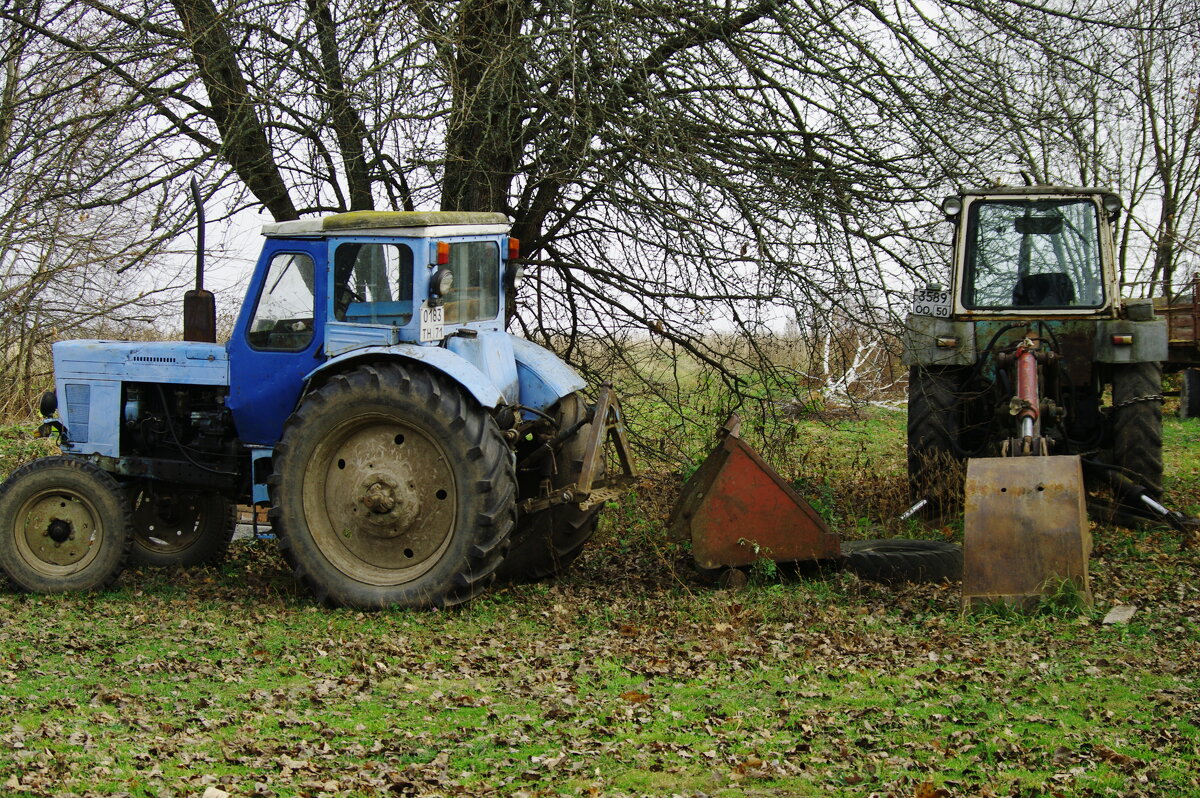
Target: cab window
283	318
476	292
373	283
1041	254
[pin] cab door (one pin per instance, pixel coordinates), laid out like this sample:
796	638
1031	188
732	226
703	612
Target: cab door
278	338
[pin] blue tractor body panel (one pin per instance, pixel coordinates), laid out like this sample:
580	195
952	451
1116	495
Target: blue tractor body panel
492	353
265	385
435	358
543	378
89	376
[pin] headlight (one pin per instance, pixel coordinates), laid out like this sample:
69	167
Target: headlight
952	206
48	404
516	275
441	283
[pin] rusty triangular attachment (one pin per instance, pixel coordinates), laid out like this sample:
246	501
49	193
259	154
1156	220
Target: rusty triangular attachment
737	510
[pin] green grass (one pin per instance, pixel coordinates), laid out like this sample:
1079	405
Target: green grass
629	677
618	681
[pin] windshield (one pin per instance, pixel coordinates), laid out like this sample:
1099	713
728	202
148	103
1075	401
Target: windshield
1033	254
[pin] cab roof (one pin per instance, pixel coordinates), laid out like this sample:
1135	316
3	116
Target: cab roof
413	224
1034	190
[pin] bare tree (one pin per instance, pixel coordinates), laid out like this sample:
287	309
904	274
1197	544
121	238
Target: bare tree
683	175
1108	96
69	263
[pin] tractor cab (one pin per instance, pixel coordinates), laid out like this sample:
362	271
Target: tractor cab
412	277
1030	252
425	286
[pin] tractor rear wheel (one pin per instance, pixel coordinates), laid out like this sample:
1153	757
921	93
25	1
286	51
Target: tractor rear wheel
392	487
1136	419
1189	393
548	541
177	527
64	526
934	470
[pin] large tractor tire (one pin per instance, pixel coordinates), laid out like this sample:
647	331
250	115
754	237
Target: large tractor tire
177	527
1136	419
899	560
64	526
934	426
1189	393
392	487
548	541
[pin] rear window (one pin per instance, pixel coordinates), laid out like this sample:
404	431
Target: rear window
476	292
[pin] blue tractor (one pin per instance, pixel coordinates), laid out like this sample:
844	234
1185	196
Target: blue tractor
409	448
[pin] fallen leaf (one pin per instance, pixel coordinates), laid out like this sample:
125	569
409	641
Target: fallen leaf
1119	614
929	790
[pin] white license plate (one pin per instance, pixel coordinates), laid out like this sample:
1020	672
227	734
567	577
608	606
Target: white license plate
432	319
931	303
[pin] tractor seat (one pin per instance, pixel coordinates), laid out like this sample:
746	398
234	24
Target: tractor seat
1053	289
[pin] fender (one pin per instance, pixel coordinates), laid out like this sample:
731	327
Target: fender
543	378
453	366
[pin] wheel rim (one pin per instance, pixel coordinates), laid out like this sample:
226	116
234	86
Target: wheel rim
379	499
58	532
168	526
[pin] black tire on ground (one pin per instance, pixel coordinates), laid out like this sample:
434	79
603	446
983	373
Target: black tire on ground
900	560
391	486
545	543
173	526
934	426
64	526
1136	419
1189	393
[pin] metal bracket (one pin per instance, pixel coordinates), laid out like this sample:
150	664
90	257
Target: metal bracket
607	424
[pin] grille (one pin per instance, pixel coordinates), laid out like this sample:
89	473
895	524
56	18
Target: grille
79	406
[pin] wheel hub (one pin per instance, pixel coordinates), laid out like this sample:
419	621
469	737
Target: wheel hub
392	505
380	497
167	524
59	530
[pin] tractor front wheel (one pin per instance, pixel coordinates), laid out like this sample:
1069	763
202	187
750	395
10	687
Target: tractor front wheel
1136	419
934	470
549	540
64	526
392	487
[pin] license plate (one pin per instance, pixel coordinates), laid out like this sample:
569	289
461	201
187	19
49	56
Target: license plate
432	319
931	303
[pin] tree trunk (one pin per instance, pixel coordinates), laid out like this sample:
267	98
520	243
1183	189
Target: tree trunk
1164	246
347	124
483	136
244	141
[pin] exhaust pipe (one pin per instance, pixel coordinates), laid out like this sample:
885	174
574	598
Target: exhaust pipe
199	306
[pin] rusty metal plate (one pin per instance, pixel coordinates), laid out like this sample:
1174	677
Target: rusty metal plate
1025	530
737	510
